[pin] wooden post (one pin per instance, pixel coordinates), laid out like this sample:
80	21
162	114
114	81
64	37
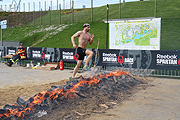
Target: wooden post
72	11
44	5
155	9
107	27
41	16
49	15
34	14
57	4
119	9
91	10
59	13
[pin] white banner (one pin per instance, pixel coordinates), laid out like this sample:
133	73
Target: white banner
142	34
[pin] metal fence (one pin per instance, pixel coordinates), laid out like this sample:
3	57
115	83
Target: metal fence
144	72
63	12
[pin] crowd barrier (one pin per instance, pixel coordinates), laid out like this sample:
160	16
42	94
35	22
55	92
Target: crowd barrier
140	59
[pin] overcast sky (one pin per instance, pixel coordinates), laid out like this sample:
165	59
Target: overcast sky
65	4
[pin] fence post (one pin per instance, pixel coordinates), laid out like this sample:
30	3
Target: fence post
119	9
51	5
6	8
34	13
44	5
28	13
70	5
107	27
63	4
24	6
10	8
8	22
59	13
14	7
49	15
21	19
57	4
72	11
155	9
16	16
19	7
41	16
39	6
29	6
91	10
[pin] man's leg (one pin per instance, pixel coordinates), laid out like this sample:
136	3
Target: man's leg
90	54
77	67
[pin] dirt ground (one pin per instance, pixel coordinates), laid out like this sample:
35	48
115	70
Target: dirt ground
159	101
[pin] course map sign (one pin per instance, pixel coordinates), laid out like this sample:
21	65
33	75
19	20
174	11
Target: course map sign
141	34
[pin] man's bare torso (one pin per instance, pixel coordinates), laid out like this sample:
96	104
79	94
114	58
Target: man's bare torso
84	38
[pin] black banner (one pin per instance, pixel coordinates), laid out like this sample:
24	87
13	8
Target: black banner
125	58
169	60
11	50
68	55
35	54
108	57
140	59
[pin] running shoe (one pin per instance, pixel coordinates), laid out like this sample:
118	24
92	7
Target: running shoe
70	78
86	69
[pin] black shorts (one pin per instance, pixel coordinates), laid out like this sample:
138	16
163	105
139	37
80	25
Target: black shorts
81	53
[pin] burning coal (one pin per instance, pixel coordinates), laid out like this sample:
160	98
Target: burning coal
57	95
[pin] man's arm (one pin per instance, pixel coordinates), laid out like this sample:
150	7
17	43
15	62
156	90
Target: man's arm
91	39
74	36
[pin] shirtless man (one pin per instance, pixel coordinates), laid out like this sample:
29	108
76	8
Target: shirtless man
83	38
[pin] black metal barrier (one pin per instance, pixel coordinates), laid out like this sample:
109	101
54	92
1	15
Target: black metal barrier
141	59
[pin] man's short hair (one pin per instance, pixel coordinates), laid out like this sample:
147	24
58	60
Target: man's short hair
86	25
21	44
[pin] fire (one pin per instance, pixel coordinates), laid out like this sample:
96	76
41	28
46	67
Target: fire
54	94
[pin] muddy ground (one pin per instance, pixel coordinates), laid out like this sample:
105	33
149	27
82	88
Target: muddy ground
159	100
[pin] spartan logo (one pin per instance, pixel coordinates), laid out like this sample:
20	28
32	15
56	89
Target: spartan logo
49	54
120	59
179	61
141	58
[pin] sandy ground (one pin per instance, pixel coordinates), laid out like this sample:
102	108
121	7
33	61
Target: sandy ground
160	101
17	81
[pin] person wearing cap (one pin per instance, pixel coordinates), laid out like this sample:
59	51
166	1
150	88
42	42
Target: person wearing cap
20	54
21	51
84	37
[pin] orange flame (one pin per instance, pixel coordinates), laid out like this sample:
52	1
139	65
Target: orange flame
54	94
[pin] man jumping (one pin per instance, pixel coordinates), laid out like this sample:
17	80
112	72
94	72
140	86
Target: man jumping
83	38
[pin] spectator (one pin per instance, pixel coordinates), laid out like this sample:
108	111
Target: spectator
20	54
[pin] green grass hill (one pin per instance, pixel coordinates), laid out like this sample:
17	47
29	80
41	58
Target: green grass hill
58	36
